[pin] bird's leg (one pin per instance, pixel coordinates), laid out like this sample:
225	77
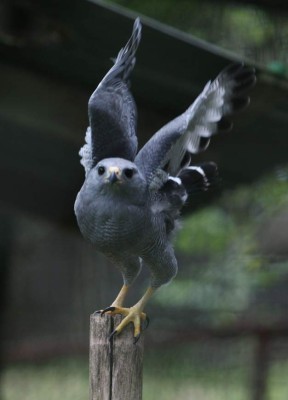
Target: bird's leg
133	314
117	303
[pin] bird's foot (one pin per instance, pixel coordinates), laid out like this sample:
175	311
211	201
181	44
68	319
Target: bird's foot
133	314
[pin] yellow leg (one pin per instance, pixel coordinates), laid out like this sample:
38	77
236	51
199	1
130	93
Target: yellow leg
118	302
133	314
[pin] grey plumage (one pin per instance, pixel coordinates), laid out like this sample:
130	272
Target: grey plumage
129	202
112	109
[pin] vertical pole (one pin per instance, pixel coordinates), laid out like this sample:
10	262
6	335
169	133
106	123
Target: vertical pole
116	367
261	371
6	235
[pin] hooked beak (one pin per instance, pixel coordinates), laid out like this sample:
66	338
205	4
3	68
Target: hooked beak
114	174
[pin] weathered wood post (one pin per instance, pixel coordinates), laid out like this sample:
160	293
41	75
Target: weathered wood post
116	367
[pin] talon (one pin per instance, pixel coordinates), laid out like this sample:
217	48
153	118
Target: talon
136	338
111	336
134	315
110	308
97	312
147	322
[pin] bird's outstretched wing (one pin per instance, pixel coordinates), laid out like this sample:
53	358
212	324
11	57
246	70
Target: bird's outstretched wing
169	150
112	110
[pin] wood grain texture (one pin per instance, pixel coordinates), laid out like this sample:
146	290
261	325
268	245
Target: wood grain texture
99	358
116	367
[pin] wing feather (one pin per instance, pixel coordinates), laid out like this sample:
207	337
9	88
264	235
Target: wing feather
191	131
112	111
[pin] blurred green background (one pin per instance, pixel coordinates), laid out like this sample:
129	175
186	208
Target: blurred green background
255	30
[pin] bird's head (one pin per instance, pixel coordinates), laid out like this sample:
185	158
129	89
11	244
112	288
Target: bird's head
117	175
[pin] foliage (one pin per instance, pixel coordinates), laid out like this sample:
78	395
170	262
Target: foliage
246	30
207	232
59	379
225	266
262	200
218	371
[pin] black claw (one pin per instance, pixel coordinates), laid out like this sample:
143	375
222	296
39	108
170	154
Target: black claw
136	338
112	335
97	312
111	308
147	322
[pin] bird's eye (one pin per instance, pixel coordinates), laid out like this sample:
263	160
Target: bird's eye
101	170
129	172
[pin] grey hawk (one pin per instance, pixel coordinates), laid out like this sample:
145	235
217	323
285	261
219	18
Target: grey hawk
129	202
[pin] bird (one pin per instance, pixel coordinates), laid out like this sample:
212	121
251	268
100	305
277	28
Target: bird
130	202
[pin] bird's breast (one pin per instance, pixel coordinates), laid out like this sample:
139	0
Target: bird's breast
113	227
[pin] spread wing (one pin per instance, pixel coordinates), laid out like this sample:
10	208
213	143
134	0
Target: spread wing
170	149
112	110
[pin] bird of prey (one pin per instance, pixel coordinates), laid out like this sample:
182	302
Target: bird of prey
130	201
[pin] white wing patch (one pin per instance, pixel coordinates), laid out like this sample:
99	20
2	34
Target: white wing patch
203	115
201	121
201	172
175	179
86	152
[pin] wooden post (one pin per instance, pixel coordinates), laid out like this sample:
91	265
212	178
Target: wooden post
115	367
